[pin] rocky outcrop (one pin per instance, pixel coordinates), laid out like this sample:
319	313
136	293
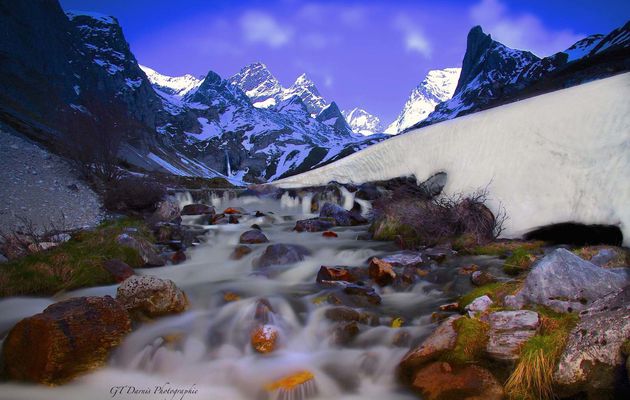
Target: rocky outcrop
565	282
509	330
150	296
67	339
592	362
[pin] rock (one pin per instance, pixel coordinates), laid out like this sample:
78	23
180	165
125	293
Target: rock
347	314
298	385
263	338
344	332
450	307
67	339
313	225
364	292
233	218
220	219
468	269
340	215
198	209
334	274
592	362
264	311
508	331
438	254
364	236
605	256
281	254
565	282
480	304
329	234
368	191
145	249
481	278
441	340
3	259
253	237
178	257
240	251
403	259
381	272
256	226
166	211
42	246
439	380
119	270
234	210
150	296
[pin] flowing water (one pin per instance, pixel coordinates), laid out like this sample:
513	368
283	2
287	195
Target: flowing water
207	349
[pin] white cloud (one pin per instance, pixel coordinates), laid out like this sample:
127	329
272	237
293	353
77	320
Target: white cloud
523	31
259	27
413	37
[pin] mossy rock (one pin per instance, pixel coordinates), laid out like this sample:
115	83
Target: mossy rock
496	291
519	261
472	336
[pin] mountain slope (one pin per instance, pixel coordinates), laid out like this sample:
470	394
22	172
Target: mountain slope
533	156
363	122
437	86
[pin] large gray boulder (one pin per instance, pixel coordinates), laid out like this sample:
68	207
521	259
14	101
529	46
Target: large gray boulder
509	330
592	362
565	282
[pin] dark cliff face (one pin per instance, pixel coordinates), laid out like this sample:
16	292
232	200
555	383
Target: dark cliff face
477	44
333	117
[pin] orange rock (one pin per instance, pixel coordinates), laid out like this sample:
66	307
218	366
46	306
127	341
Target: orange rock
450	307
240	251
381	271
329	234
231	296
264	338
334	274
233	210
440	380
291	381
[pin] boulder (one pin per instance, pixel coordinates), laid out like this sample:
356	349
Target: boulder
145	249
440	380
281	254
508	331
565	282
441	340
240	251
481	278
253	236
198	209
340	215
335	274
381	272
119	269
166	211
313	225
263	338
480	304
67	339
593	362
150	296
403	259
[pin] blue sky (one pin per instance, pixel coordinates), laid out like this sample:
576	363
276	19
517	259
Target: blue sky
369	54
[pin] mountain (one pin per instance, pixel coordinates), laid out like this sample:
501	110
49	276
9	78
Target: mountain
437	86
533	156
171	85
494	74
265	90
363	122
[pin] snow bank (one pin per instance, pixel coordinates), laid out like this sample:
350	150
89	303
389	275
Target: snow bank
562	156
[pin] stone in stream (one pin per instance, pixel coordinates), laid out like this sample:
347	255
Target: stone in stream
402	259
480	304
381	272
198	209
335	274
313	225
441	380
481	278
253	236
353	295
441	340
329	234
118	269
145	249
509	330
592	363
264	338
67	339
344	332
234	210
150	296
347	314
166	211
240	251
178	257
565	282
340	215
281	254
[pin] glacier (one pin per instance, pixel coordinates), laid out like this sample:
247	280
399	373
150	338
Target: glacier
561	156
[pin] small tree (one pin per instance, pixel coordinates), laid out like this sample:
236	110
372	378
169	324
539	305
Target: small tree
94	133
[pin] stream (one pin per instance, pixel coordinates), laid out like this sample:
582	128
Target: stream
207	348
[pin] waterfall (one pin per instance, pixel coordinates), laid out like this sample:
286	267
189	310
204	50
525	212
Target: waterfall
227	161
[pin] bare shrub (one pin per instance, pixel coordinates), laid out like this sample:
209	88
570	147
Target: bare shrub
28	236
440	219
133	193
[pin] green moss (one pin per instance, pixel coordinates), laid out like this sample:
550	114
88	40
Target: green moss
503	248
533	376
496	291
520	260
73	264
471	340
389	228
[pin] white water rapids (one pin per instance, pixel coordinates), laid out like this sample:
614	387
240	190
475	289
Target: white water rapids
208	347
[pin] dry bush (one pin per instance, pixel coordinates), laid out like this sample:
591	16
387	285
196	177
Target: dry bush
133	193
440	219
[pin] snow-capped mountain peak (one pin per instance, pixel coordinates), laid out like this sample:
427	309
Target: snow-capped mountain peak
173	85
362	121
438	86
258	84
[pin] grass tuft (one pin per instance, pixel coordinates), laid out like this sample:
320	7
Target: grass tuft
496	291
533	376
520	261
